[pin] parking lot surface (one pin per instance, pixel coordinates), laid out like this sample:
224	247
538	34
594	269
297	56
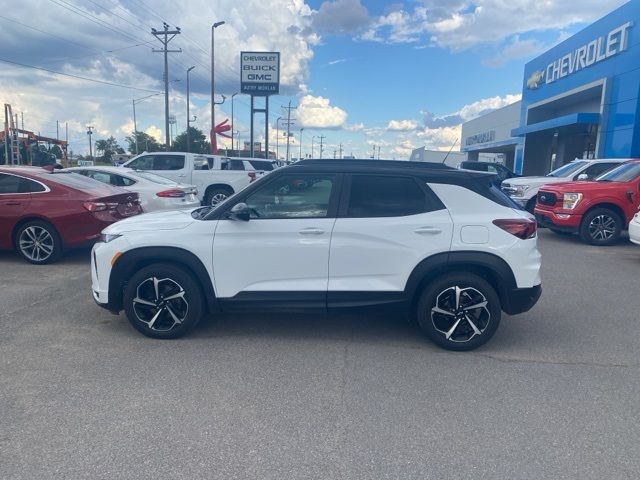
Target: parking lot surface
555	394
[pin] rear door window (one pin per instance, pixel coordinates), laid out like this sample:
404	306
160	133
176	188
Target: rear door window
383	196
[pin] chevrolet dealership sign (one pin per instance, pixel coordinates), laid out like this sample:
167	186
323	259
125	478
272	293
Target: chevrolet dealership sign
593	52
260	73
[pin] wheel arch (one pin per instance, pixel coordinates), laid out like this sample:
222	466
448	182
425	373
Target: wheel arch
610	205
224	186
133	260
32	218
486	265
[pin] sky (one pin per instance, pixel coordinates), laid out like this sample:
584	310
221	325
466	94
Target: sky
361	73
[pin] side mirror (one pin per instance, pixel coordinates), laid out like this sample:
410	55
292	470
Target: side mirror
240	211
583	176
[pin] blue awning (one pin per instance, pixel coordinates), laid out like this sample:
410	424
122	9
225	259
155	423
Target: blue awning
564	121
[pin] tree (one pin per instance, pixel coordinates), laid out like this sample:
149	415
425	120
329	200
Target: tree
108	147
199	143
146	143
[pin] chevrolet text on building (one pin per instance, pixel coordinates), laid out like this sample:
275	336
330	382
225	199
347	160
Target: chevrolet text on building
595	51
484	137
260	73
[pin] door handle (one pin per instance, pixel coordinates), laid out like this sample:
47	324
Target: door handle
181	176
311	231
428	230
12	202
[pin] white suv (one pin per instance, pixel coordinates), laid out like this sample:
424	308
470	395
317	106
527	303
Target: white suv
333	236
524	190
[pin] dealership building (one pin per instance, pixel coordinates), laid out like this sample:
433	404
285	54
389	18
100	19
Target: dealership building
579	100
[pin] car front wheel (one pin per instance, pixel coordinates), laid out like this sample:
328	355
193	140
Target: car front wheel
601	226
459	311
163	301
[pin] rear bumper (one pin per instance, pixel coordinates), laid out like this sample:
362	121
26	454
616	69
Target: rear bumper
520	300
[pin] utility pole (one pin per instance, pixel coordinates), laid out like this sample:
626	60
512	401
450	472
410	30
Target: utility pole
22	118
57	128
334	153
90	132
289	123
212	134
321	137
312	139
378	152
188	115
373	154
340	150
165	36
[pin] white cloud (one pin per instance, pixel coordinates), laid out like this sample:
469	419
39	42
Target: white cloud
354	127
317	112
155	132
341	17
442	138
402	125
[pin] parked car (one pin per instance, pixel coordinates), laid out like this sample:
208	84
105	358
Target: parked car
44	212
263	166
634	228
523	190
214	176
502	172
155	192
598	210
444	244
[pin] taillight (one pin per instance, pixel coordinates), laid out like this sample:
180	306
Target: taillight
95	206
173	193
521	227
252	176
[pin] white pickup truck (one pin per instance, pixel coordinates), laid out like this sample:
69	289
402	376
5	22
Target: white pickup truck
216	177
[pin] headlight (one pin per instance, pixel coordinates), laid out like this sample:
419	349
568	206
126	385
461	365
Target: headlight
519	190
570	200
108	237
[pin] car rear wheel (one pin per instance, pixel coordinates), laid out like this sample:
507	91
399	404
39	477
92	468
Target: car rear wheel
38	242
216	195
459	311
601	226
163	301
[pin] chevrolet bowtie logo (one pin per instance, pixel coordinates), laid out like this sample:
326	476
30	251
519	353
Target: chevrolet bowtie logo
535	79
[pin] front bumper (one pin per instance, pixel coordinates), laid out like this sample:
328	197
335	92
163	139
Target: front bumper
558	220
520	300
634	232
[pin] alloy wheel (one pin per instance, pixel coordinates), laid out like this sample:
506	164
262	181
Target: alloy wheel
36	243
217	198
602	227
460	314
160	304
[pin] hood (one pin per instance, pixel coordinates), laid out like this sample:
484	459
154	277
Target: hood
155	221
533	180
585	185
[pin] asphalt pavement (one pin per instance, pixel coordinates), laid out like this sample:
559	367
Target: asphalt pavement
554	395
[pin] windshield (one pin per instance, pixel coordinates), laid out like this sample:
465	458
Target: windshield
152	177
567	170
623	173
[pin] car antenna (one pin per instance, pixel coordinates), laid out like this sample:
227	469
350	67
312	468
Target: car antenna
447	155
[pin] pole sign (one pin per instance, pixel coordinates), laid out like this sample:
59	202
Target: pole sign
260	73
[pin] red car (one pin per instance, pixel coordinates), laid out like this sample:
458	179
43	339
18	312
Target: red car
597	210
42	213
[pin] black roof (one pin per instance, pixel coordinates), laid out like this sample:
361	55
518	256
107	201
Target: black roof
435	171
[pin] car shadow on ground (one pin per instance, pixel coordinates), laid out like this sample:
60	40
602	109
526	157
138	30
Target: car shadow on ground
77	256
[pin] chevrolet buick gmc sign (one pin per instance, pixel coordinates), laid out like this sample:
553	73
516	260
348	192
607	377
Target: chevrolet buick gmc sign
260	73
595	51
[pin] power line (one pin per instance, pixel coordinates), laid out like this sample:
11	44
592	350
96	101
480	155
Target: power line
46	33
104	82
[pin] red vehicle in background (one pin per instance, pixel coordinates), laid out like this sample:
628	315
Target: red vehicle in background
597	210
43	212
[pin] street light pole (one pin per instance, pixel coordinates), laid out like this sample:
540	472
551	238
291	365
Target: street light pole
213	103
135	125
90	132
188	116
300	154
312	139
278	138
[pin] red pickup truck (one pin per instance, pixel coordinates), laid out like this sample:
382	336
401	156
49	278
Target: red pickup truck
597	210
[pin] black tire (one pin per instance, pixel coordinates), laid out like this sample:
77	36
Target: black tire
531	205
38	242
214	195
440	293
560	232
172	280
601	226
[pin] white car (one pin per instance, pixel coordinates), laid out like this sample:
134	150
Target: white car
156	193
634	229
444	245
524	190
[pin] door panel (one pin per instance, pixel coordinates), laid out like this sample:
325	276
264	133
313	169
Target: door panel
373	254
284	247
